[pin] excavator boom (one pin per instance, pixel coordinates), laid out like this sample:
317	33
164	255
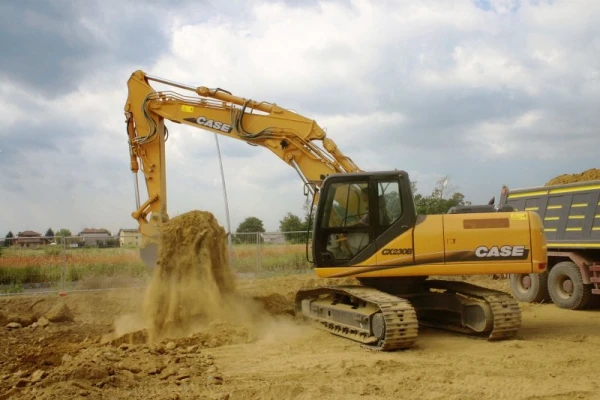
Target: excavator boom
290	136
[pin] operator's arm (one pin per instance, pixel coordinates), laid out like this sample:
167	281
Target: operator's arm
287	134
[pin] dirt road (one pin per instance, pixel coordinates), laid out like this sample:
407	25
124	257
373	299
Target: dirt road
553	356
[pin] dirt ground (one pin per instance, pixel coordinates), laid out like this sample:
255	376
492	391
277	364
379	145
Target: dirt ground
70	352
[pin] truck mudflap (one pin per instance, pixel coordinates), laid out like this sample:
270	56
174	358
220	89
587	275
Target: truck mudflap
467	309
378	320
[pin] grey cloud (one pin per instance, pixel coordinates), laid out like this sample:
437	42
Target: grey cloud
51	46
76	41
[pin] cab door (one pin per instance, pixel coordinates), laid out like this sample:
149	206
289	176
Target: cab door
394	241
343	232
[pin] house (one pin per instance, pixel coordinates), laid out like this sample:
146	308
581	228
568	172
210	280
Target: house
273	238
31	239
129	237
92	236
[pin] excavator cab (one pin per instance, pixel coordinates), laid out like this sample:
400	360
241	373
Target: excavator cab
359	213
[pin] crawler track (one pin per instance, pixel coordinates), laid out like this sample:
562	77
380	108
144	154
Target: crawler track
399	317
386	321
506	314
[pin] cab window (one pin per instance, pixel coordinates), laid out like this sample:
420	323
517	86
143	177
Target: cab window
347	205
390	202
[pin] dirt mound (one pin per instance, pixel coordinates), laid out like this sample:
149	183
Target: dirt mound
193	287
276	303
99	371
193	278
588	175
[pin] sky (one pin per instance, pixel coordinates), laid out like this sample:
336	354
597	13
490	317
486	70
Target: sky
486	92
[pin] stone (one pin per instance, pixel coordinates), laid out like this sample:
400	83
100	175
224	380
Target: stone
171	346
111	356
212	369
60	313
43	322
22	319
214	380
38	375
192	349
13	325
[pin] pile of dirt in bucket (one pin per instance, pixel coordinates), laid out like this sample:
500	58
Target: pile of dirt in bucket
192	282
194	287
588	175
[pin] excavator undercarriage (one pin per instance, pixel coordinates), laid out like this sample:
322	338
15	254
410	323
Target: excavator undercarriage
386	317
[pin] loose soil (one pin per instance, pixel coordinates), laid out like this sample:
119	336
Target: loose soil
588	175
197	333
553	356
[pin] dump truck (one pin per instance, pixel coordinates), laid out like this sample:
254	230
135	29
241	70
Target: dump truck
571	219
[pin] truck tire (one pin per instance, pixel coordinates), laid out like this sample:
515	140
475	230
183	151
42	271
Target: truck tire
566	286
530	288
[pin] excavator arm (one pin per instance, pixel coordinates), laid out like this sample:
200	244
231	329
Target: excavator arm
290	136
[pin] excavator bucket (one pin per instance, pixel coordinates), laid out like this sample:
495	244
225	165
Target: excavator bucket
149	255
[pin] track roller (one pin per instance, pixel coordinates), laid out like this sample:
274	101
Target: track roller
378	320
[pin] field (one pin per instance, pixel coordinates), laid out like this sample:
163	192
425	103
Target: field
74	346
56	268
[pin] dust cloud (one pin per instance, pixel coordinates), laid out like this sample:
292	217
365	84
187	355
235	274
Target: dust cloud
193	286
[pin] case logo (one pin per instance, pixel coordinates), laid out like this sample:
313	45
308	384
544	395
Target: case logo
500	252
209	123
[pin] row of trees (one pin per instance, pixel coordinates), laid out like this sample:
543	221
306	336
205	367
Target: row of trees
442	198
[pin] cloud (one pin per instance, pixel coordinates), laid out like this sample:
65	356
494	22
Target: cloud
488	92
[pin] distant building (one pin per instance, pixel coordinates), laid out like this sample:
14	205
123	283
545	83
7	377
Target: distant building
129	237
273	238
91	237
31	239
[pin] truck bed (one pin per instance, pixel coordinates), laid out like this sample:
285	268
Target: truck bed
570	213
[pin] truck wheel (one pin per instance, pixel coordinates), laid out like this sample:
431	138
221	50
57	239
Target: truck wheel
566	287
530	288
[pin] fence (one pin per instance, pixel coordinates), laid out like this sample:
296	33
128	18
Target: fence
92	262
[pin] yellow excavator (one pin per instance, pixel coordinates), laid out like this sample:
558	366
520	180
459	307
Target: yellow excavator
365	224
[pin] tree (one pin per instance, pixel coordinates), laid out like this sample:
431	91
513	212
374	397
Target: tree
250	224
413	187
8	239
440	200
49	233
62	233
293	223
308	225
